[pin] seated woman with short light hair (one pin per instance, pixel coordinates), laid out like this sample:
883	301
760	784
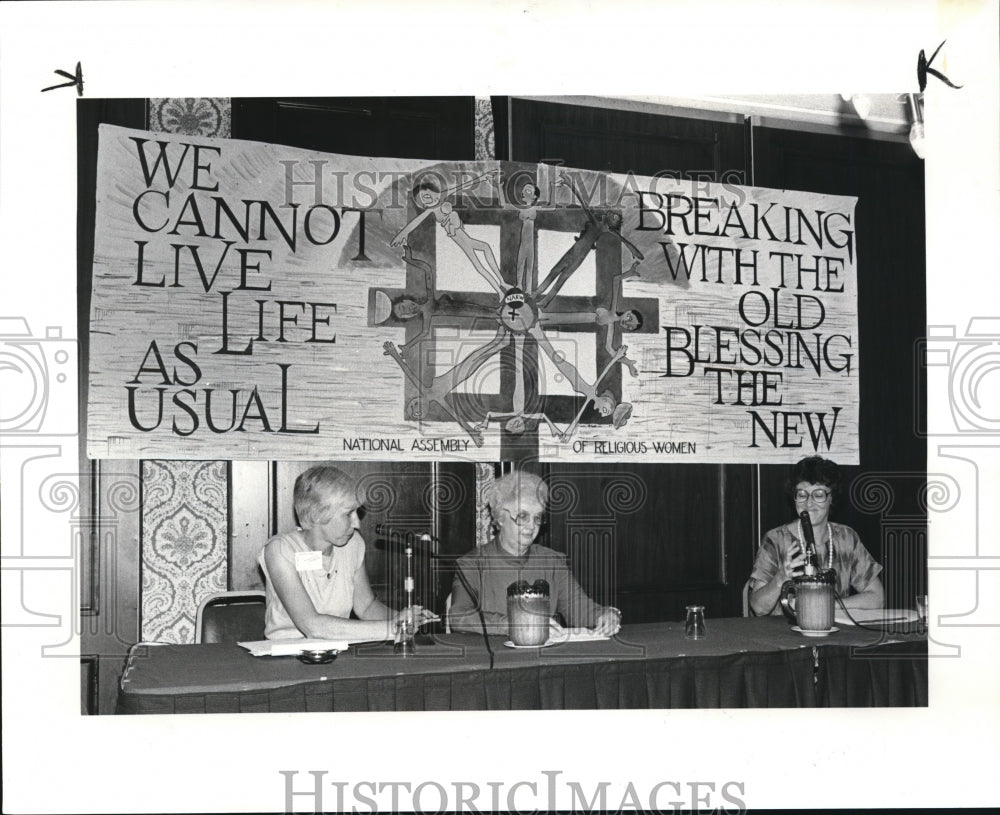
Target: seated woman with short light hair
517	503
316	575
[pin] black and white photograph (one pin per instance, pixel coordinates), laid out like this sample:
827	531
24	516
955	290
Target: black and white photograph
374	402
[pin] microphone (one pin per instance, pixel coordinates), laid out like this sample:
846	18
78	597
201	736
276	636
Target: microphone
810	541
807	530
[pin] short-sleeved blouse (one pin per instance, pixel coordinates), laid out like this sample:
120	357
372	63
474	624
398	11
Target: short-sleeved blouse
330	585
855	567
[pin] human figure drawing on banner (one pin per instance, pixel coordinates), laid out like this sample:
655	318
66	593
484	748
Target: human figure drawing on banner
427	193
522	310
430	304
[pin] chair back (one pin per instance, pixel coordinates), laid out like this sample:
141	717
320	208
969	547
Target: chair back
231	616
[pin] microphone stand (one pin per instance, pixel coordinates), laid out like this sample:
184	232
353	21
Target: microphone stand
409	637
405	645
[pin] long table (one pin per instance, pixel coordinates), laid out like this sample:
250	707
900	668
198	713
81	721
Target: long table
742	662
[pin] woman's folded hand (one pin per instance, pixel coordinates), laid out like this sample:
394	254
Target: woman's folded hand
608	623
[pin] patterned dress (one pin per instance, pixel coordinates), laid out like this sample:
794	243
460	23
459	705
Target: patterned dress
856	569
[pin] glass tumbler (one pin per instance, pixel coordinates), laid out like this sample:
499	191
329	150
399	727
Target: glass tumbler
694	625
404	643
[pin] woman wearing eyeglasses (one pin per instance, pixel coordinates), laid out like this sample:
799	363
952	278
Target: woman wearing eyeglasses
517	504
813	485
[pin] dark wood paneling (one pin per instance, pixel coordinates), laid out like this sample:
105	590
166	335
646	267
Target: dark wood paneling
110	622
500	106
888	180
89	684
86	536
455	520
398	127
652	539
617	141
739	524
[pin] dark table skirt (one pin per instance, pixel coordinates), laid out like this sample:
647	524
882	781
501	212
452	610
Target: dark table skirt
890	675
743	663
779	679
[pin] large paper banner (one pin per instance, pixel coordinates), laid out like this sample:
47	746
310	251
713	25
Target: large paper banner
254	301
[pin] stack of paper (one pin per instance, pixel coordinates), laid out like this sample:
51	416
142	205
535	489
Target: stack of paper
875	616
577	635
285	648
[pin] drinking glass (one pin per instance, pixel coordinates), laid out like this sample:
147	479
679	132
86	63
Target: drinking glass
922	607
404	643
694	625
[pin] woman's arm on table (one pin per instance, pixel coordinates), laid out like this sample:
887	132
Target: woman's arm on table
579	610
865	574
310	622
764	599
464	614
368	607
872	597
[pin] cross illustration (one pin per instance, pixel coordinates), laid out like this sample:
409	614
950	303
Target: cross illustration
513	321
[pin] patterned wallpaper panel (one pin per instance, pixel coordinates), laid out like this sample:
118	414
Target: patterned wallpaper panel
484	523
185	528
185	525
485	140
198	116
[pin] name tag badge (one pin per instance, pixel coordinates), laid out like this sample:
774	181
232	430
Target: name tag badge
308	561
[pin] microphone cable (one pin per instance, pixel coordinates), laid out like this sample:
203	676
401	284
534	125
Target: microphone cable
474	596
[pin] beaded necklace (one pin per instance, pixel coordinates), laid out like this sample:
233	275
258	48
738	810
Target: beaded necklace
829	544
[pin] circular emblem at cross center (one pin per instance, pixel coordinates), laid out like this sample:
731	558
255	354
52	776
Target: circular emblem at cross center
517	312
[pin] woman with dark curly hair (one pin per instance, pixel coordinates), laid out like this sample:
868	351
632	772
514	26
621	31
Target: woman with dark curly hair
813	486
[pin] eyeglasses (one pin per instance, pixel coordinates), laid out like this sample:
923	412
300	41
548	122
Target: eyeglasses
820	495
526	518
